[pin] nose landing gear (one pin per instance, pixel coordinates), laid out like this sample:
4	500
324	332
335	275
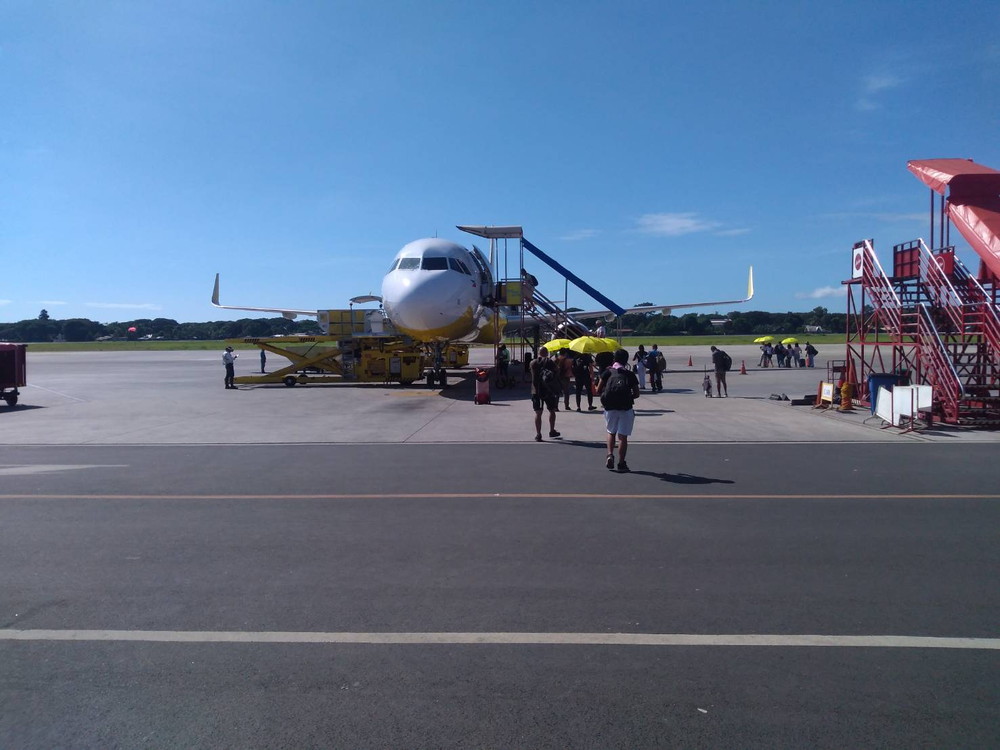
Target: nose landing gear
438	375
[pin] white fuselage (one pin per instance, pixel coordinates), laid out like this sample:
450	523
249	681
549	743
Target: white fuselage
436	291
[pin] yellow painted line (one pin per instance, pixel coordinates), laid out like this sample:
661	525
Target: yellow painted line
498	495
554	639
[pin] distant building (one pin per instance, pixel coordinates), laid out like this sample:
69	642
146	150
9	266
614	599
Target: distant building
815	329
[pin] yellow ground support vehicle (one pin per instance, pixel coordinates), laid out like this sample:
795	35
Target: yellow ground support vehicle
343	358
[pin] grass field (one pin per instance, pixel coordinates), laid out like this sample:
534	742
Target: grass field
629	342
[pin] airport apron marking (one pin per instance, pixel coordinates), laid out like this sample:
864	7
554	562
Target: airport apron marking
499	495
7	470
554	639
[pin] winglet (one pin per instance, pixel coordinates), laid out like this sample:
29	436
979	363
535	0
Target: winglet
215	292
749	285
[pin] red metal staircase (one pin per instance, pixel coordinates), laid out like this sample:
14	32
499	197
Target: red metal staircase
940	326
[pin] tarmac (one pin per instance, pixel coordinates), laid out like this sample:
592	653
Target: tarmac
177	397
373	566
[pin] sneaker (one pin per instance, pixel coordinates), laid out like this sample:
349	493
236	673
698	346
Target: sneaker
591	408
538	438
623	467
610	463
579	409
553	433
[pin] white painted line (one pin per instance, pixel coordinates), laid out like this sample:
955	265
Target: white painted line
7	470
555	639
58	393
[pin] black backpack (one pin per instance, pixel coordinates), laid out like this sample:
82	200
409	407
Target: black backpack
727	361
617	393
550	383
580	366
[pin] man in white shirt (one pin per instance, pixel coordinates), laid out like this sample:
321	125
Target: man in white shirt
229	360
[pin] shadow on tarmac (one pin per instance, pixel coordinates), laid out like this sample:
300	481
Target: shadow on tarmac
681	478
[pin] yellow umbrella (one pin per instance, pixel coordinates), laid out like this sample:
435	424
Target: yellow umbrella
613	344
556	344
590	345
764	340
790	340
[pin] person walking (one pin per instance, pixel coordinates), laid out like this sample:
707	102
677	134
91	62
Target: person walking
503	365
544	391
583	372
564	366
655	365
640	366
721	362
811	352
229	360
619	388
263	360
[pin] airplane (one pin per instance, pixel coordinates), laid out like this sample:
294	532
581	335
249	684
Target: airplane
437	291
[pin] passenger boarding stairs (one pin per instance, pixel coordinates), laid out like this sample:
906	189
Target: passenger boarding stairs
935	305
547	314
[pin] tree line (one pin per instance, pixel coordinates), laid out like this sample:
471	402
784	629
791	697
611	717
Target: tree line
756	322
44	328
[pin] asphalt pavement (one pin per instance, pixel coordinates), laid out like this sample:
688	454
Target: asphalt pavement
182	566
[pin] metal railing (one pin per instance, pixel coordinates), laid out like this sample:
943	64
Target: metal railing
938	369
884	298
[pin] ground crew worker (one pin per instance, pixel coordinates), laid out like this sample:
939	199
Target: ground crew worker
229	360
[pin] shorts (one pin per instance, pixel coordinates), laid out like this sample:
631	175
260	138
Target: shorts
551	402
619	421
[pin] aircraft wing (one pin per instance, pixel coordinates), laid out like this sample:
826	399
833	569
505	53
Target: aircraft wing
283	311
665	309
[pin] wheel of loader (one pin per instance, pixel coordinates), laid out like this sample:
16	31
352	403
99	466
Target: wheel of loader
443	378
290	380
431	378
10	398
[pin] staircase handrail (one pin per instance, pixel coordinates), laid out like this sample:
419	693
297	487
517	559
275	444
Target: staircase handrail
990	319
938	354
881	289
938	280
552	312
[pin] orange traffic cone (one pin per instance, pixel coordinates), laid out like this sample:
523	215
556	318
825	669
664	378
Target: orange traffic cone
743	367
690	363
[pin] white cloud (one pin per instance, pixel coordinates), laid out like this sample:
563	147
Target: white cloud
732	232
123	305
673	225
51	302
5	301
874	85
823	292
580	234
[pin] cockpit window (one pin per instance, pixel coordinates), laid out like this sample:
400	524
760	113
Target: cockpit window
457	265
408	263
434	264
395	263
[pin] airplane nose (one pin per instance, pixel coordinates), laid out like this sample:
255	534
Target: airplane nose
430	305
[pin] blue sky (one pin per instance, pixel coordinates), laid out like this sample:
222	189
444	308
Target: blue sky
655	148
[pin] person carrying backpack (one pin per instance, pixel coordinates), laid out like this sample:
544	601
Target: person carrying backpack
722	363
618	389
544	390
655	365
811	353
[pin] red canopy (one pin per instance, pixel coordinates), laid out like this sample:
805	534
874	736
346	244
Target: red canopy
973	201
